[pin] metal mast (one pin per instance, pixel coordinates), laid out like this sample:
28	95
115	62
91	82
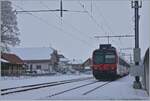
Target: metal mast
136	6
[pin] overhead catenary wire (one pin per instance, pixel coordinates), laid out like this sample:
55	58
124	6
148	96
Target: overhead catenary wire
61	10
109	28
93	19
107	25
70	25
60	29
104	19
67	23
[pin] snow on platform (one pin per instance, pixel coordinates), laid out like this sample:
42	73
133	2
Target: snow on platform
118	90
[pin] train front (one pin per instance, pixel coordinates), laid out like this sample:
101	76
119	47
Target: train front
104	62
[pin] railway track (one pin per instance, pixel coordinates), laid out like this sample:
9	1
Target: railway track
84	85
93	89
87	92
11	90
97	87
58	93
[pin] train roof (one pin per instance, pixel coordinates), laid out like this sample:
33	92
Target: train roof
106	46
103	48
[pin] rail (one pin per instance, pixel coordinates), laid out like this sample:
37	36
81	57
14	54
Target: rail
7	91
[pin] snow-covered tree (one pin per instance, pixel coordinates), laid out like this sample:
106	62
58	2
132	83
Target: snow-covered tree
9	29
55	60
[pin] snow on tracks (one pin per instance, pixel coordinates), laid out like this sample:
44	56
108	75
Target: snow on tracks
41	85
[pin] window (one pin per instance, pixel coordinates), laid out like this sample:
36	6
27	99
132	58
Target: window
38	67
123	62
98	58
109	58
101	57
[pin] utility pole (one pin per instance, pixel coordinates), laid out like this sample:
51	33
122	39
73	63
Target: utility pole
114	36
136	6
61	9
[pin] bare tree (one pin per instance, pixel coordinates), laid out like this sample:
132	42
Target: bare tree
9	29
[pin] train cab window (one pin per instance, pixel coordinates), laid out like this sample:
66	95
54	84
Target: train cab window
110	58
98	58
104	57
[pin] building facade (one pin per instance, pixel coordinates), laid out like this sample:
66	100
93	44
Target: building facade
38	60
11	65
39	66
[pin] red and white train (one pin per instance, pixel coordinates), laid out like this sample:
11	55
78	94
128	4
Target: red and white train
106	63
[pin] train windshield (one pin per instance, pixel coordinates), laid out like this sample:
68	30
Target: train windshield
101	57
110	58
98	58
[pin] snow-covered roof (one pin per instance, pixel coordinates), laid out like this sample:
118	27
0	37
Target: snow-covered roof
87	67
34	53
2	60
63	60
75	61
11	58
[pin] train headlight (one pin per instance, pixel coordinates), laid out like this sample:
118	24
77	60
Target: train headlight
112	68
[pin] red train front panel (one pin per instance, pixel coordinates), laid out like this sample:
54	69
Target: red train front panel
104	62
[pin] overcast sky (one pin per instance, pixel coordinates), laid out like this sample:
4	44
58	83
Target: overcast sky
73	36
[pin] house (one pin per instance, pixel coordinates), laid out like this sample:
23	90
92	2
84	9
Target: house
87	63
87	66
76	64
63	64
11	65
63	61
61	56
38	59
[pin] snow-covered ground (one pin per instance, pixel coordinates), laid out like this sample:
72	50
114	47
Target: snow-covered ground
14	82
120	89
